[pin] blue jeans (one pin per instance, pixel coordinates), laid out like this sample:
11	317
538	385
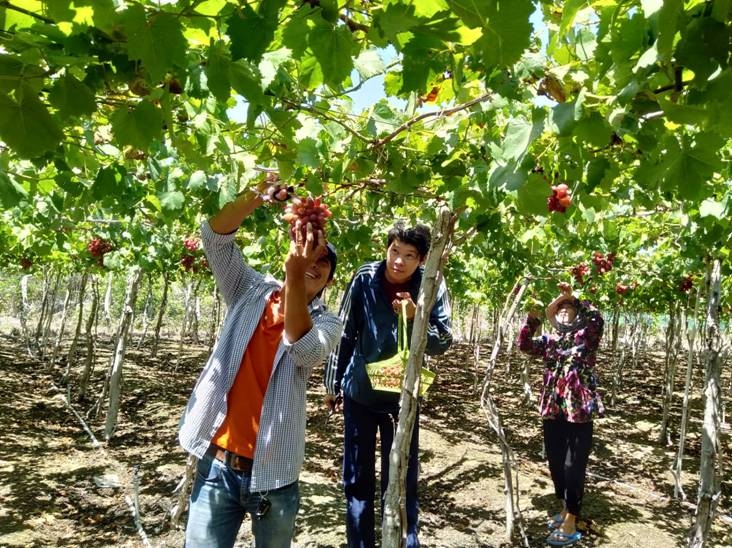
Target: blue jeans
219	500
359	475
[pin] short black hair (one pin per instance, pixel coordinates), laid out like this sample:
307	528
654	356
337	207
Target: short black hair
418	236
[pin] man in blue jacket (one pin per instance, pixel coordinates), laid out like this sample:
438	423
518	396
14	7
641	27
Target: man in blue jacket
369	310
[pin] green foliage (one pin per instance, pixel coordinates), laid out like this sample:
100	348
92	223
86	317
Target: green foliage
122	118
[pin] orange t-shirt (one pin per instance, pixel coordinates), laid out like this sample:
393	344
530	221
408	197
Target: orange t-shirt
238	433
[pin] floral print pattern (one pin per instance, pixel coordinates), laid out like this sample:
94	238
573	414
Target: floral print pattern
570	379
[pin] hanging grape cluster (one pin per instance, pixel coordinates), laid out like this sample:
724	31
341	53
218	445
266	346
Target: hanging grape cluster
686	284
560	199
308	210
603	263
192	258
579	272
98	247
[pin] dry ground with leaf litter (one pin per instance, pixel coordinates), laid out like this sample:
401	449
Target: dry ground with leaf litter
56	489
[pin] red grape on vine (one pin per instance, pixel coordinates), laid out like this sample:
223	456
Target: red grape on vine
686	284
308	210
98	247
560	199
621	289
579	272
603	263
191	244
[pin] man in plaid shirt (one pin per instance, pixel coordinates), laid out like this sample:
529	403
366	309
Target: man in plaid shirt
245	420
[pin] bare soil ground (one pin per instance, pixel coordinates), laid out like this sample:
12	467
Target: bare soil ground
58	489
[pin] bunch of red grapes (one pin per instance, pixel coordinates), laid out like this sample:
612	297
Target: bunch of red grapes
191	258
603	263
560	199
579	272
621	289
25	263
308	210
98	247
686	284
191	244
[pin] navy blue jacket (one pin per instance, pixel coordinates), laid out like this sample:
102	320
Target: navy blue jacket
370	335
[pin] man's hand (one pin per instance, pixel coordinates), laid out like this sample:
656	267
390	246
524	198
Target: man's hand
303	253
396	304
565	289
333	402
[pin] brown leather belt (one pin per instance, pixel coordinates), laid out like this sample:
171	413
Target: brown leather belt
232	460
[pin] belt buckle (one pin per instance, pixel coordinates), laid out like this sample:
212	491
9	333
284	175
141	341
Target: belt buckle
235	462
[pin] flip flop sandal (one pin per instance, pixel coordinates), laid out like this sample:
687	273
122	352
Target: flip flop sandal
557	538
554	521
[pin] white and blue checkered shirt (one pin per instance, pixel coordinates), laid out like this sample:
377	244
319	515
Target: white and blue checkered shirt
280	447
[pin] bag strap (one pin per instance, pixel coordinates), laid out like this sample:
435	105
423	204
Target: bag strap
402	329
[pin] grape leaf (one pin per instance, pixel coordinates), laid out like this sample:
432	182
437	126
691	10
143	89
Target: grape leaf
157	40
26	126
246	80
713	208
11	193
171	201
137	126
72	97
332	47
508	33
109	184
251	32
531	197
217	70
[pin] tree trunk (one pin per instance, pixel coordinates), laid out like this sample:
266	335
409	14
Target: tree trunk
146	312
670	372
494	418
183	490
709	466
115	374
393	532
24	311
691	334
90	339
161	313
50	308
615	323
474	333
44	300
108	301
195	313
71	355
61	327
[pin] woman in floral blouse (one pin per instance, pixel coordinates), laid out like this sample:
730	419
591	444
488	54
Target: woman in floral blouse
569	400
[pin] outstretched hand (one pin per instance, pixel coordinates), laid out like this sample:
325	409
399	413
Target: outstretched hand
565	289
305	250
